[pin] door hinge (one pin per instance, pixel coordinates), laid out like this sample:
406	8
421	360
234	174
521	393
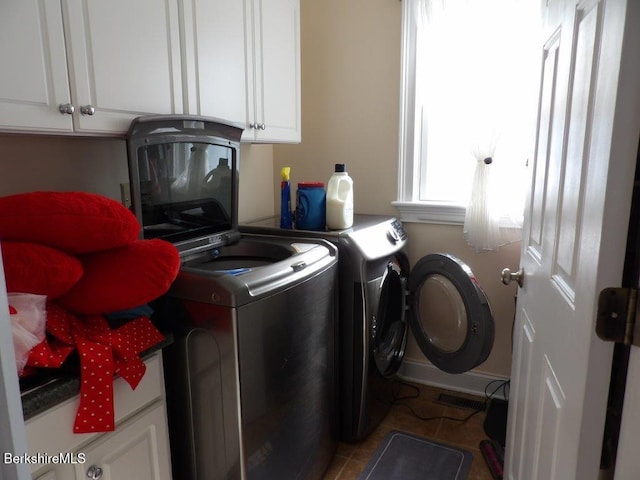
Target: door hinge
617	312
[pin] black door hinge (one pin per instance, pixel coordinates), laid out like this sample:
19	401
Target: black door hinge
617	312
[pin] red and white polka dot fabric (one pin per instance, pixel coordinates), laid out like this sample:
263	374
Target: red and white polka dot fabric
103	352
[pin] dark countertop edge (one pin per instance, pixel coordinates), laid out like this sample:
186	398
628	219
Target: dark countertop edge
60	388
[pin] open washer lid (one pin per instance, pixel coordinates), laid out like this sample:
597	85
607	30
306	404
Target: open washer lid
184	173
449	313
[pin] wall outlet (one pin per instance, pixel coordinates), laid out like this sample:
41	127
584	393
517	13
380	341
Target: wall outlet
125	194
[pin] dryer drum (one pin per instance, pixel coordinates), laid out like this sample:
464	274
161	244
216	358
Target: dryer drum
390	328
449	314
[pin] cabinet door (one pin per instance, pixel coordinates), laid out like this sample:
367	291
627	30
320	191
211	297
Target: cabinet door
215	60
242	65
56	472
34	81
124	61
276	53
137	449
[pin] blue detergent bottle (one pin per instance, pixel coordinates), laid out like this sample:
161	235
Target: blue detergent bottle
286	218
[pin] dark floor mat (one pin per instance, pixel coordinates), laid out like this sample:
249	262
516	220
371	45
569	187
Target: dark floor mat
408	457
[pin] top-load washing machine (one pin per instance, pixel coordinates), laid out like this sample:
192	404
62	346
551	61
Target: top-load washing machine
250	381
380	296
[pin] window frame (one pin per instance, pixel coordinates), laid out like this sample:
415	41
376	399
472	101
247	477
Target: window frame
411	208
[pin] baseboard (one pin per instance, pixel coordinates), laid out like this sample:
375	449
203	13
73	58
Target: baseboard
473	383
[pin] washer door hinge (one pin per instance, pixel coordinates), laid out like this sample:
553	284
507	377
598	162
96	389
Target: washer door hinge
617	314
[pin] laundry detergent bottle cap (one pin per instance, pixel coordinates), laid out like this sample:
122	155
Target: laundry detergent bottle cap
339	209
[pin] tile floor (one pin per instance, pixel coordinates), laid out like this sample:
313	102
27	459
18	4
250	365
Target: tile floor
350	459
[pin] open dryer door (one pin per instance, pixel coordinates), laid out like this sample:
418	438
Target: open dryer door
449	314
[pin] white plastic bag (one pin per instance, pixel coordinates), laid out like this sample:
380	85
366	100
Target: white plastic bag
28	320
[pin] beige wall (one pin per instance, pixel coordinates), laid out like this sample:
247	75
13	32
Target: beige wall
350	69
256	192
99	165
35	162
350	110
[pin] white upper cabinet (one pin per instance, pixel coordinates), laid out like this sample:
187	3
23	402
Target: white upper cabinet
242	63
91	66
87	66
214	59
33	78
274	57
124	61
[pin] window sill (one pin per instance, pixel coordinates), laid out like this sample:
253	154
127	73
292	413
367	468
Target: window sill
423	212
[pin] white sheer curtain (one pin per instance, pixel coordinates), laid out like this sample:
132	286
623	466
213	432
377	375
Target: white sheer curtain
478	75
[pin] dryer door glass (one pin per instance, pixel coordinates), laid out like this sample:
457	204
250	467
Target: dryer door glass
449	314
443	305
389	328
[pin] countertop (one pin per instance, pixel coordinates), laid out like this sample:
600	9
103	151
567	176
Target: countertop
46	389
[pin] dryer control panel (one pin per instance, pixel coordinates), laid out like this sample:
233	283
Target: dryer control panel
396	232
376	239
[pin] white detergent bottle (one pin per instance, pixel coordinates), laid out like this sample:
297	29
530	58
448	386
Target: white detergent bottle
340	199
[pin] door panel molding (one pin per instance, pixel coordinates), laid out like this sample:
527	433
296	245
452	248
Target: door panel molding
543	143
571	201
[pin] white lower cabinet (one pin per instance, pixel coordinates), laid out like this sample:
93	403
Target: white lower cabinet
57	474
137	449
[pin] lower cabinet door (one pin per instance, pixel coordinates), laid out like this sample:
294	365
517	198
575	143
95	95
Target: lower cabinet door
60	472
139	448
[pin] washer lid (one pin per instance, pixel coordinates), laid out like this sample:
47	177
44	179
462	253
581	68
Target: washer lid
449	313
183	172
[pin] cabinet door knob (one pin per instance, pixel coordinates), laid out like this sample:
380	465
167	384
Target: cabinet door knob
66	109
87	110
262	126
253	126
94	472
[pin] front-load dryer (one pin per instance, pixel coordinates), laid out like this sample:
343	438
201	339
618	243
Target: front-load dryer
380	298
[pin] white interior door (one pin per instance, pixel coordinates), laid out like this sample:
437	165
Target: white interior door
575	236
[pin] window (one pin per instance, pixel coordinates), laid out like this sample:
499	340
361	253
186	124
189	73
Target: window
469	86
